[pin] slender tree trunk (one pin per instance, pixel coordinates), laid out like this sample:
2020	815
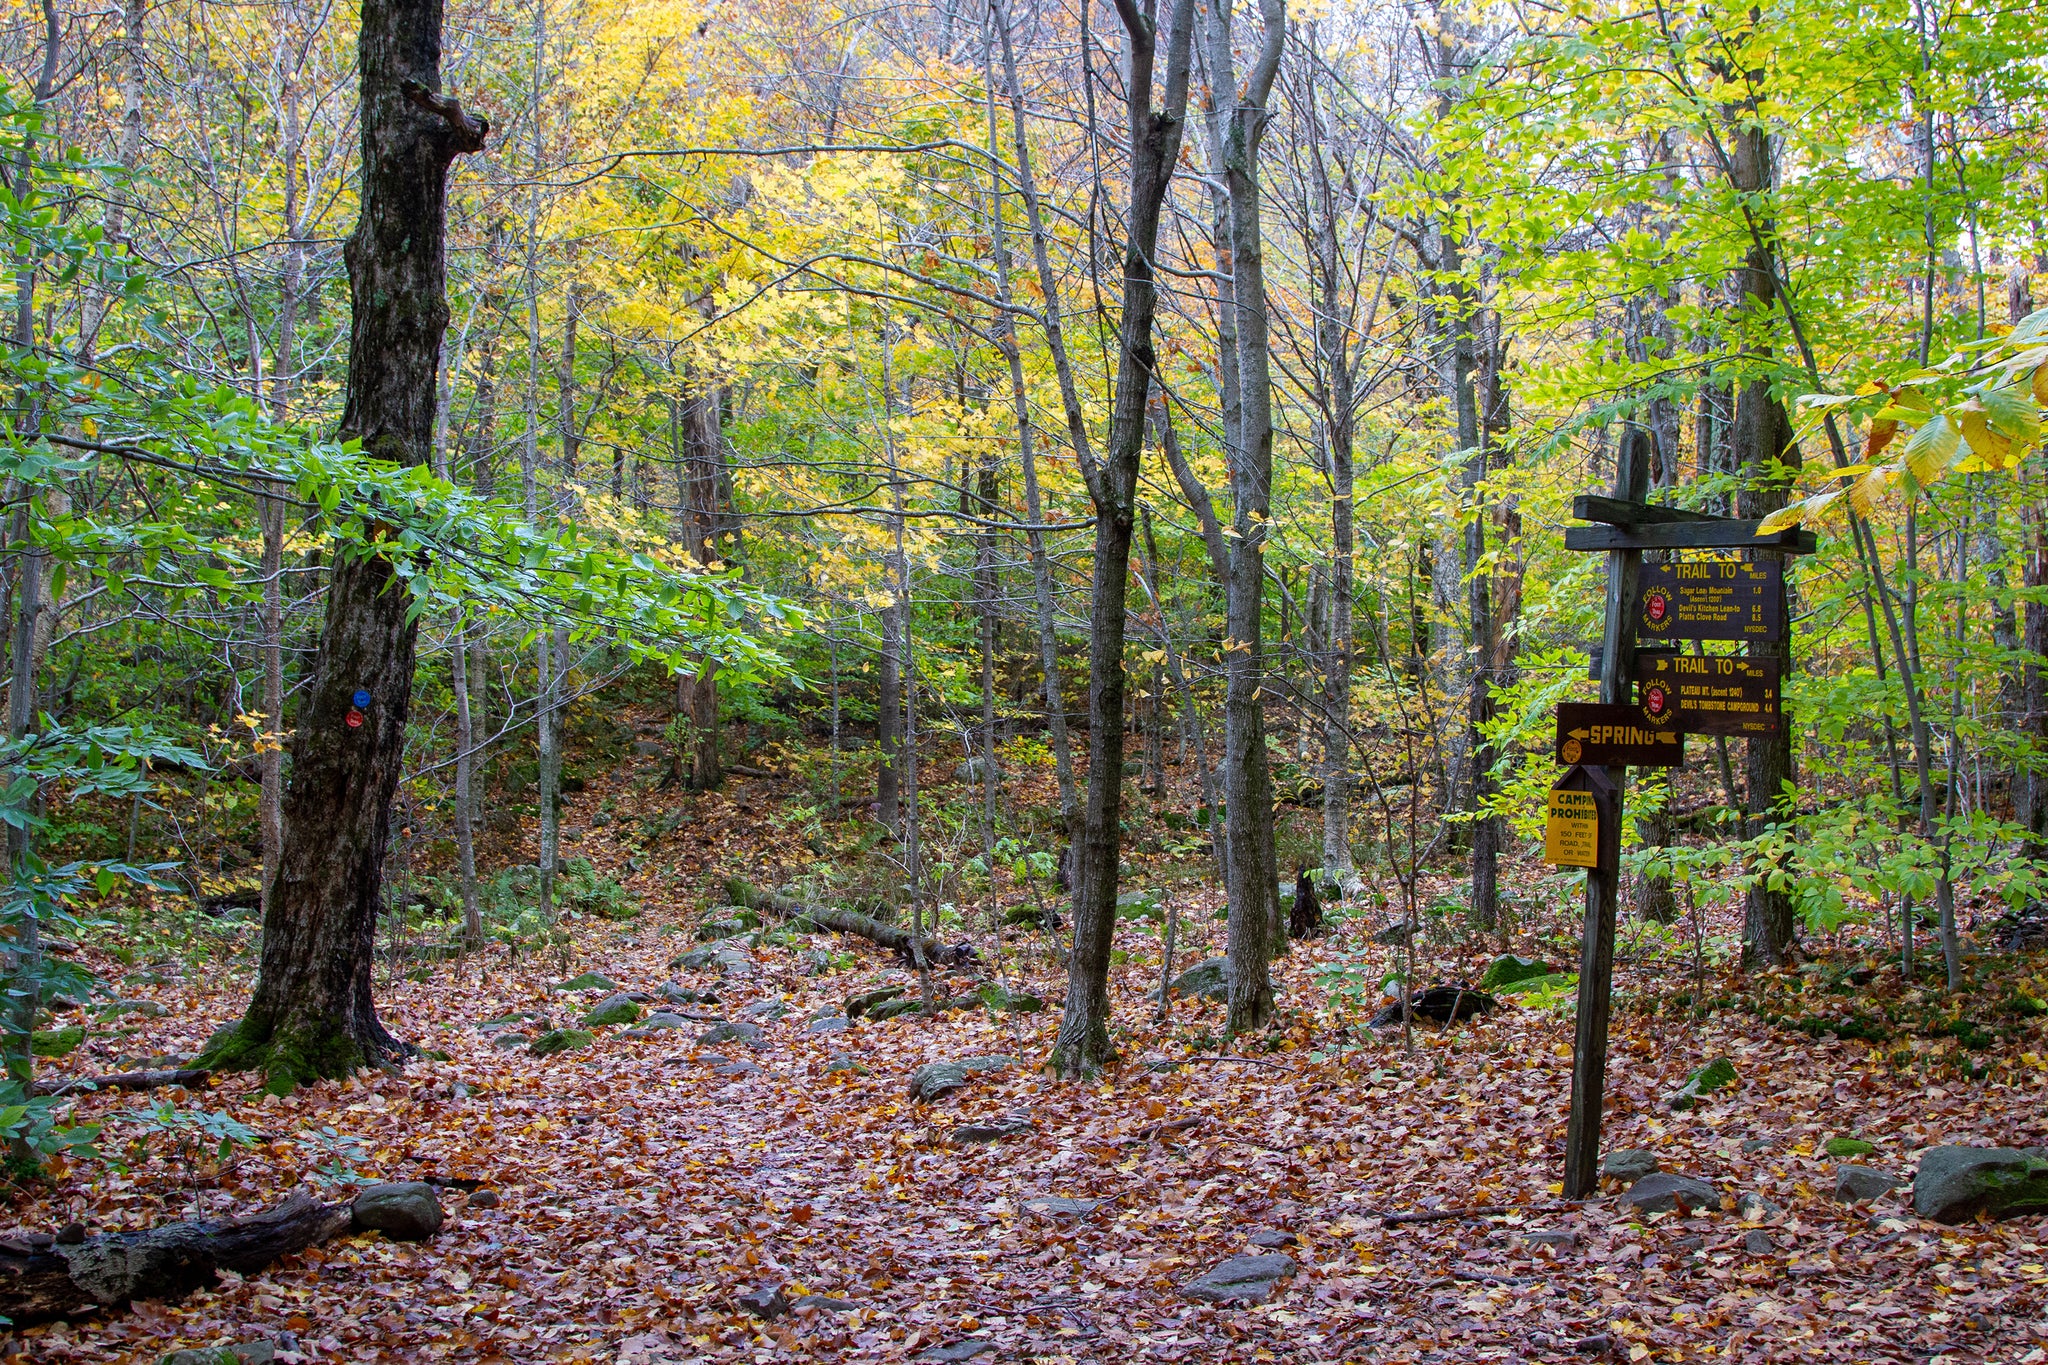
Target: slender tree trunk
704	453
1204	507
271	511
312	1012
1257	930
1083	1043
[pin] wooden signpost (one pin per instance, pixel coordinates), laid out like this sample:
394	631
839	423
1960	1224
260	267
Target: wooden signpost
1647	707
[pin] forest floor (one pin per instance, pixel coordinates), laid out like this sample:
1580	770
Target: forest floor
637	1189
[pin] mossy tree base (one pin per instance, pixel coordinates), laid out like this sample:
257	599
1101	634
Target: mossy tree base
1082	1048
294	1055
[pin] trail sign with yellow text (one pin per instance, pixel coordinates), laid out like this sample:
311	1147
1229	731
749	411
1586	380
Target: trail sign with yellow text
1615	736
1578	805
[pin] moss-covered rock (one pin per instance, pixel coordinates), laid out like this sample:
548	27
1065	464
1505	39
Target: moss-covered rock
613	1009
1508	970
1716	1075
561	1040
1955	1184
589	981
57	1042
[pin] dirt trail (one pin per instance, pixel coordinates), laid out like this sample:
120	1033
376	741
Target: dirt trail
640	1191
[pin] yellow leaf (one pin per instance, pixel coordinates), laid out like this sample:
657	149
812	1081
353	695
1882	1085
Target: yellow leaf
1784	519
2041	385
1931	448
1864	493
1993	448
1881	433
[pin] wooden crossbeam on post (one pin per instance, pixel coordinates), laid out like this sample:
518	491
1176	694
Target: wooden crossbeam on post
1603	883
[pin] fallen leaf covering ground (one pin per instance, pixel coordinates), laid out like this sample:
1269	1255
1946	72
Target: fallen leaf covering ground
639	1191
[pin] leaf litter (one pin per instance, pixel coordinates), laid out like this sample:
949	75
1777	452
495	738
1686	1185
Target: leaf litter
616	1202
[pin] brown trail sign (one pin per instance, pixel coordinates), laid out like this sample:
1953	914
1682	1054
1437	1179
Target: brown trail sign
1616	736
1719	694
1712	599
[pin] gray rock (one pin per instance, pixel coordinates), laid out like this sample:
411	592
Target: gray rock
506	1042
1955	1184
1856	1183
839	1061
891	1009
974	770
661	1021
729	1031
974	1134
1057	1206
1209	980
1241	1279
517	1019
1551	1237
766	1303
1628	1165
1757	1242
484	1199
113	1009
1661	1192
648	748
824	1303
934	1079
737	1067
1394	934
681	995
959	1350
241	1353
1272	1239
614	1009
720	957
1758	1144
830	1023
1752	1207
765	1009
405	1212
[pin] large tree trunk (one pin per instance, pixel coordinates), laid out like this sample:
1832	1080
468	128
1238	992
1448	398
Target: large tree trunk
1256	928
1762	434
311	1014
1155	135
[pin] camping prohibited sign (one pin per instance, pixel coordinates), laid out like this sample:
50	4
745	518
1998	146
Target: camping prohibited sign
1578	803
1712	599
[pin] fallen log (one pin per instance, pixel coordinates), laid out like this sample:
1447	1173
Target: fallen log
841	922
42	1278
123	1080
